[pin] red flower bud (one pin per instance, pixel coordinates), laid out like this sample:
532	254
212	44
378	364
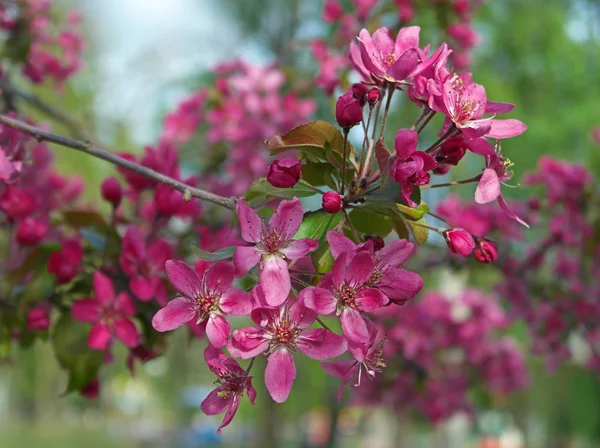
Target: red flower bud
485	251
452	151
111	191
373	96
378	243
441	169
459	241
37	319
30	231
359	91
332	202
91	390
284	173
348	112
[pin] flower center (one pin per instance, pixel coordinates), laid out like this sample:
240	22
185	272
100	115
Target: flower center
346	296
375	277
374	361
284	333
389	60
206	304
233	385
109	314
272	242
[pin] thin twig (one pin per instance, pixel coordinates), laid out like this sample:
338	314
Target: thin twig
88	148
356	237
454	182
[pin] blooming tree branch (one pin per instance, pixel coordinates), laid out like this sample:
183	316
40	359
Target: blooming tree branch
93	150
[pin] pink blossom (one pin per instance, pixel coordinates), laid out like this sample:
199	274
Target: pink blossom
143	263
279	333
396	283
38	318
110	314
64	264
410	167
272	247
205	299
30	231
332	11
232	381
345	292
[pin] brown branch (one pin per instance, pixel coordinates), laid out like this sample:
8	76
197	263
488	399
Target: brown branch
88	148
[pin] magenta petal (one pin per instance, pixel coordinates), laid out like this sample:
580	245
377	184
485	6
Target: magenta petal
408	37
280	374
481	146
300	314
400	285
248	342
340	368
103	288
360	268
216	402
275	280
99	337
394	253
228	417
185	279
124	305
86	310
126	332
297	249
217	330
251	226
339	243
320	344
319	300
405	65
405	143
287	218
371	299
245	258
236	302
220	276
354	327
6	167
177	312
488	188
506	128
143	287
504	206
495	107
356	59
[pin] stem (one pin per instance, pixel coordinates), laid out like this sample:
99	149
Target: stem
301	282
356	237
439	218
391	91
454	182
365	143
365	167
346	131
424	112
425	226
376	121
88	148
360	195
323	324
310	187
443	138
250	366
426	122
315	274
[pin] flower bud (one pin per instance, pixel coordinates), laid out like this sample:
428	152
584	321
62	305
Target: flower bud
37	319
378	243
30	231
332	202
459	241
452	151
348	112
485	251
284	173
111	191
373	96
359	91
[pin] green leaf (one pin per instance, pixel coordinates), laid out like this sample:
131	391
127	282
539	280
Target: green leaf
319	174
322	258
84	370
82	218
382	155
370	223
218	255
420	233
262	191
393	209
315	139
317	224
400	228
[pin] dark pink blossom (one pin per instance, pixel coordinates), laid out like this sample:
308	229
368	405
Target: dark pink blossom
345	291
232	381
30	231
485	250
332	202
64	264
111	315
204	299
279	333
459	241
272	247
144	263
112	191
284	173
410	167
38	318
348	110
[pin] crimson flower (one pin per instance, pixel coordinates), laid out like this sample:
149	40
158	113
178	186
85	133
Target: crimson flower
396	283
279	333
110	315
64	263
345	292
204	299
144	263
410	167
272	247
232	381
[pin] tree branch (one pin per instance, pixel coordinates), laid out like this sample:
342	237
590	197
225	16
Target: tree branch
88	148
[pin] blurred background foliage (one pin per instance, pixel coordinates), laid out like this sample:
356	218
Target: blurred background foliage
542	55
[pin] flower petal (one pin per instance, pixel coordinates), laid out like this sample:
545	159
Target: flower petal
405	65
143	287
339	243
126	332
360	268
86	310
231	410
287	218
248	342
236	302
177	312
124	305
320	300
99	337
220	276
394	254
185	279
506	128
504	206
280	374
251	225
405	143
297	249
354	326
371	299
488	188
216	402
245	258
400	285
320	344
217	330
103	288
275	280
